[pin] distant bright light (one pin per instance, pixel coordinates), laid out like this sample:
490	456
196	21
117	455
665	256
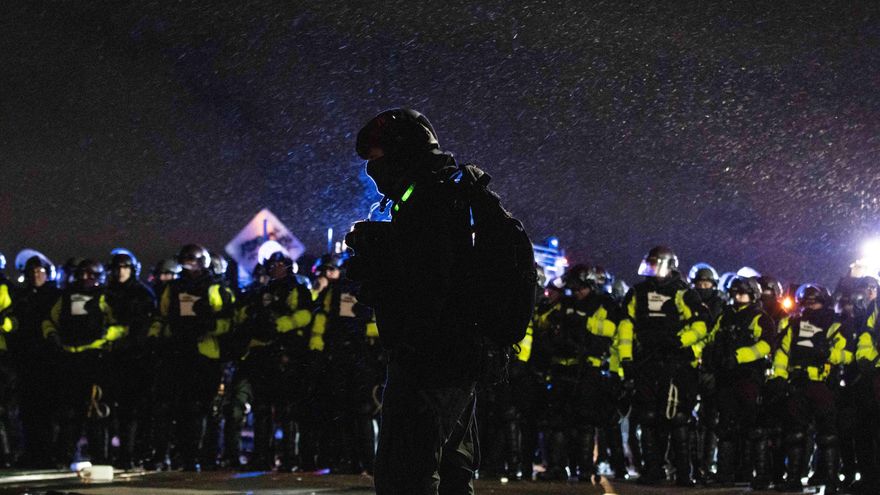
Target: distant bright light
787	303
871	255
553	242
871	248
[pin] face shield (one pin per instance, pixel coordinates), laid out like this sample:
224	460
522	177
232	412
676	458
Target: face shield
654	267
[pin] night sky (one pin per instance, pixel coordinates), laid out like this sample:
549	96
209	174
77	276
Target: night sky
735	135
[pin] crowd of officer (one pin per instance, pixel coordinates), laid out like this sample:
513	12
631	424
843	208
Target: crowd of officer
688	379
724	383
96	364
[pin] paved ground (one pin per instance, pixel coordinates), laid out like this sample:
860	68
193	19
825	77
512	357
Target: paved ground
225	483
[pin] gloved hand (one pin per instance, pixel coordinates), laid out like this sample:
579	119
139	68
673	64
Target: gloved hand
202	307
729	361
867	367
821	347
55	341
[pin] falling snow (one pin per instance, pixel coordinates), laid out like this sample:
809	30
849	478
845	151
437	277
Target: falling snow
736	136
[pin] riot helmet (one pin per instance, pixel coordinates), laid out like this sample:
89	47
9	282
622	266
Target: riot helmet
724	281
327	266
67	274
167	270
194	259
278	265
604	279
124	267
744	286
219	265
89	274
809	294
660	262
37	270
870	287
703	272
580	280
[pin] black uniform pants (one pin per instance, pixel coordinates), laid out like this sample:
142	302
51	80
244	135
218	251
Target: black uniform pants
426	444
664	398
184	390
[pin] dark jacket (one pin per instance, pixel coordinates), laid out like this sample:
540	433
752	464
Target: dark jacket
418	301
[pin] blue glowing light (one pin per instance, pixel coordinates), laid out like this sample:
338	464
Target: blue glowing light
255	474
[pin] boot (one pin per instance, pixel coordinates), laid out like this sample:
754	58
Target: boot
263	458
127	459
760	446
707	453
586	467
796	461
682	450
744	461
829	462
726	462
364	440
97	436
653	472
777	456
556	458
617	459
514	469
5	450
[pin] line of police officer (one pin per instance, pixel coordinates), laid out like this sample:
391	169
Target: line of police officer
721	393
716	387
150	374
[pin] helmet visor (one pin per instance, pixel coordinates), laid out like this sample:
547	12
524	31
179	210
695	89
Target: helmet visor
653	267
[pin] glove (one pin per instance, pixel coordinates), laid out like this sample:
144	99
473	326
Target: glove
55	341
729	361
867	367
202	307
821	348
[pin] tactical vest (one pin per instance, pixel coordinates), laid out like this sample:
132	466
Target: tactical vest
737	327
804	334
344	328
183	322
657	317
81	321
594	345
568	339
283	297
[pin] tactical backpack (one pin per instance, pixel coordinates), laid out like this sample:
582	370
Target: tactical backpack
500	277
